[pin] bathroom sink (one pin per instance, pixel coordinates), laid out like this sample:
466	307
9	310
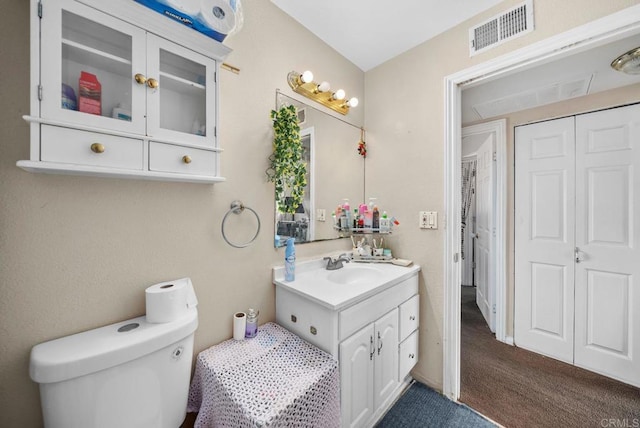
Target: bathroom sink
354	274
337	289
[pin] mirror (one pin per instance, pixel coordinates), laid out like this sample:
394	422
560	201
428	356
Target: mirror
335	172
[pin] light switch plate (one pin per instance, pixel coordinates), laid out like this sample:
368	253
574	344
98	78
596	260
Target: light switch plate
321	215
428	220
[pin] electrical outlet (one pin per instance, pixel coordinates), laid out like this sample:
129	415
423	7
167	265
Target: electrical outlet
321	215
428	220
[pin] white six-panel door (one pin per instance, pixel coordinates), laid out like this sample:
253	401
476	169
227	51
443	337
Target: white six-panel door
577	202
485	290
544	235
607	266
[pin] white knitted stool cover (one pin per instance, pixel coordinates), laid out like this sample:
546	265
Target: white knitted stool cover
275	379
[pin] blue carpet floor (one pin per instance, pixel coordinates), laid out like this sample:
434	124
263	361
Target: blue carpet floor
421	406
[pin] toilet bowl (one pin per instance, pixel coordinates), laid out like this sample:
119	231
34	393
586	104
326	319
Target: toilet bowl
132	374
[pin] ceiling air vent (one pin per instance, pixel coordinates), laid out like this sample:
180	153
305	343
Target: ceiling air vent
508	25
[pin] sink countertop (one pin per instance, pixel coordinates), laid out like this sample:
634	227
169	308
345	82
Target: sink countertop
311	281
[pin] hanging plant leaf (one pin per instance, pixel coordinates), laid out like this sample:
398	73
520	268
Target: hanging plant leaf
287	170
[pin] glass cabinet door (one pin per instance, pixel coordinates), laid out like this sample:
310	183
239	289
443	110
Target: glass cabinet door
181	107
93	69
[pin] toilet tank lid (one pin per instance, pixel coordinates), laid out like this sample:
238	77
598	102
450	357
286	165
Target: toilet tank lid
94	350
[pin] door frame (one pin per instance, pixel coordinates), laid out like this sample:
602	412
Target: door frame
499	256
618	25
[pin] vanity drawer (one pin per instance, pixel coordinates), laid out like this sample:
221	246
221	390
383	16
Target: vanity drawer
357	316
183	160
66	145
409	316
408	355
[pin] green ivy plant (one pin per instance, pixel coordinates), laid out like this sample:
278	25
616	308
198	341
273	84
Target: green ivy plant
287	170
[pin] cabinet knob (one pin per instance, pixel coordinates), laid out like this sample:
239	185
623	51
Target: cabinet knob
186	159
140	79
153	83
97	148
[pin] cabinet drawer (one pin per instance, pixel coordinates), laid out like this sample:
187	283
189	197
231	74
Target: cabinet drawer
357	316
183	160
409	316
66	145
408	355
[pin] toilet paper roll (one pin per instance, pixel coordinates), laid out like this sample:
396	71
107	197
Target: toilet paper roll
218	15
239	325
168	301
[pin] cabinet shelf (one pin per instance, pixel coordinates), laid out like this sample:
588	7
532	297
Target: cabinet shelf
179	84
86	55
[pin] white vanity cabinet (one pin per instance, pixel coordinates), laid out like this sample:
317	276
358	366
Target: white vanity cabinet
147	103
370	327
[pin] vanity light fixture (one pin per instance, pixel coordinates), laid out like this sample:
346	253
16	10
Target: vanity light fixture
628	62
304	85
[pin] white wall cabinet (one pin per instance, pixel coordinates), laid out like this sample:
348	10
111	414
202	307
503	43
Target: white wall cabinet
375	340
154	113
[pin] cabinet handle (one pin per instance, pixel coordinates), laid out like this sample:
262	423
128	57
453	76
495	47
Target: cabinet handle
372	349
412	356
153	83
97	148
186	159
379	343
412	318
140	79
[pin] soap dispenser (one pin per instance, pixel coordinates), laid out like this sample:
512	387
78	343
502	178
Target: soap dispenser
289	261
252	323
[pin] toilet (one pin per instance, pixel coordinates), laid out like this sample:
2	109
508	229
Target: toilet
132	374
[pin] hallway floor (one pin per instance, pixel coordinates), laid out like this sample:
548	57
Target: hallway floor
519	388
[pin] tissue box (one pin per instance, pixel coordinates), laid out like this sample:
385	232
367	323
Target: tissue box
89	94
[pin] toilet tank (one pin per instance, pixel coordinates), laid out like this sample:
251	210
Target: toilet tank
132	374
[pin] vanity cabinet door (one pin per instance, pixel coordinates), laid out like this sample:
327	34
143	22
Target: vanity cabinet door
357	354
386	358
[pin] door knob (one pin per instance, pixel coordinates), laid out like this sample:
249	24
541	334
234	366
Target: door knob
579	255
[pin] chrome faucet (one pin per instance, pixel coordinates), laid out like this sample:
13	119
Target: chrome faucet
337	263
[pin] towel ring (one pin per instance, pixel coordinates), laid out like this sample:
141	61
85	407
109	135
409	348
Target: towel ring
237	207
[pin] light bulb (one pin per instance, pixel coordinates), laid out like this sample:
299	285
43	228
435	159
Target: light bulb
353	102
338	95
323	87
307	77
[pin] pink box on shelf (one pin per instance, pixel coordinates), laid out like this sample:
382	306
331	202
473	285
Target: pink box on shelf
89	94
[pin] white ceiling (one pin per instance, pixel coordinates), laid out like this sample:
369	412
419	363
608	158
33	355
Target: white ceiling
370	32
581	74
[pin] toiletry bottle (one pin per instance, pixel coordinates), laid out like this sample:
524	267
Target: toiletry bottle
289	261
376	218
346	209
384	223
252	323
355	218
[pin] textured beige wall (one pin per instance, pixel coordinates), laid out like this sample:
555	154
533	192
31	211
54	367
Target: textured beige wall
77	252
405	129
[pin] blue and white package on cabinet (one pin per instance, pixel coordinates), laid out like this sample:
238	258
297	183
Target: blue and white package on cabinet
214	18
